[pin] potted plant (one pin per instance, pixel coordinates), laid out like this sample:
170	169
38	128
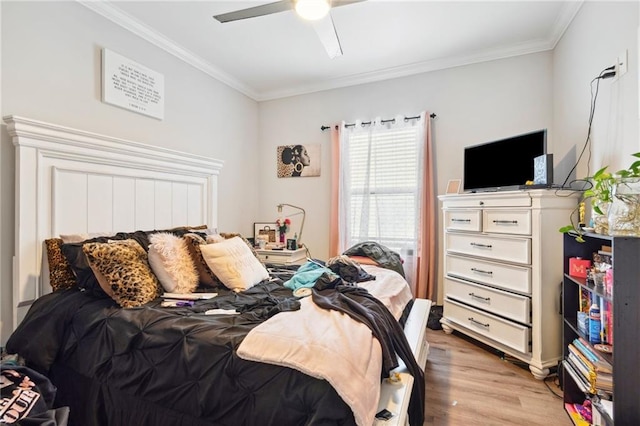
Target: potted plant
601	194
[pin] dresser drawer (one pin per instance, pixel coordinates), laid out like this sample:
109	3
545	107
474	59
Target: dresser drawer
517	250
507	221
508	277
510	305
495	199
463	220
510	334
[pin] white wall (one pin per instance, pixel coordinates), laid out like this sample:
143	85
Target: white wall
474	104
598	34
51	72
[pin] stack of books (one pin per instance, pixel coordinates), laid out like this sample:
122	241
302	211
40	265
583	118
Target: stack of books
589	368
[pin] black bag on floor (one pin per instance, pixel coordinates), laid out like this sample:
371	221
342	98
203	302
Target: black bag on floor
434	317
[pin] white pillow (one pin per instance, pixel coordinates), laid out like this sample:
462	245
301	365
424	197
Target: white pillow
234	264
170	261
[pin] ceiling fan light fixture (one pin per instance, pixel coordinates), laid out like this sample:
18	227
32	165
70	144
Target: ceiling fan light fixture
312	9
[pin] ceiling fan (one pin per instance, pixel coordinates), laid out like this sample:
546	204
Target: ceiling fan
316	11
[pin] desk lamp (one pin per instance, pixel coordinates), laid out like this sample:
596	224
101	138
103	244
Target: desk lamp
304	214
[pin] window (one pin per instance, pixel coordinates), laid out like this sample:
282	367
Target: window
380	182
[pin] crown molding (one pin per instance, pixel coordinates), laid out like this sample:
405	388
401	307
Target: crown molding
126	21
119	17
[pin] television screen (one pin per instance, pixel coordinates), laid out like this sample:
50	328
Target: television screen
503	164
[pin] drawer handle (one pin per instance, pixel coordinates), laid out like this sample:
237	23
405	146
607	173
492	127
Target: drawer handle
453	219
505	222
486	299
480	271
478	322
481	245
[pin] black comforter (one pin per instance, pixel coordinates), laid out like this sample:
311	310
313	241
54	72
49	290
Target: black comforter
169	366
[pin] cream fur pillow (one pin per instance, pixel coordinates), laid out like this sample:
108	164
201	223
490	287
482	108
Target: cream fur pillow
234	264
170	260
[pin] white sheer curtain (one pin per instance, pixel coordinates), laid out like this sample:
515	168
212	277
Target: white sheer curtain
381	185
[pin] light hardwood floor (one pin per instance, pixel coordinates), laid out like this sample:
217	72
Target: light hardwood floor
469	384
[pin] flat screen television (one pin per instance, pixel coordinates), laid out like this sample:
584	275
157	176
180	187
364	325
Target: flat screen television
503	164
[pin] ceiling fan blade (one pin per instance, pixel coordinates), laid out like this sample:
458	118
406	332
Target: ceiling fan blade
328	36
336	3
252	12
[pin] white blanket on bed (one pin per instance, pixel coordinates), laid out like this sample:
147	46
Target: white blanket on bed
330	345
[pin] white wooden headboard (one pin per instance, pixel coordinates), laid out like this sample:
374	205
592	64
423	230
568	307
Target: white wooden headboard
72	181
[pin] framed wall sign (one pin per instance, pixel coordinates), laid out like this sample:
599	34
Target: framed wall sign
132	86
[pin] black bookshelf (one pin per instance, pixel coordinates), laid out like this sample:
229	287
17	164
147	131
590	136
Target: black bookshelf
625	299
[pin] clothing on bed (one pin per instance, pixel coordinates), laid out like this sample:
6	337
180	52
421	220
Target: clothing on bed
184	364
151	363
348	269
360	305
306	275
384	256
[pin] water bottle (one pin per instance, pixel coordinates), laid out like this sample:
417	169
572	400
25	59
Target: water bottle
594	324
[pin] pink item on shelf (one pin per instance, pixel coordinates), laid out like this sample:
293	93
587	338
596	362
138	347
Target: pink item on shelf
584	410
608	281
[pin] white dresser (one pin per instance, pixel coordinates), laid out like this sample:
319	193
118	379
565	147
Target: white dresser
503	271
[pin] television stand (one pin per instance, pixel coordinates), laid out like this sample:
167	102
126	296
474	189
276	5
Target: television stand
501	272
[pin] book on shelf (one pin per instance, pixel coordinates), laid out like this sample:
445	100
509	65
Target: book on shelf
598	380
577	419
585	299
600	363
588	377
606	324
582	319
577	377
592	382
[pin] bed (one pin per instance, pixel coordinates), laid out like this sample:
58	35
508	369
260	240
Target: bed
201	364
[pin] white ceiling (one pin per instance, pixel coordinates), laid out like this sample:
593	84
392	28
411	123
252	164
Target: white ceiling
280	55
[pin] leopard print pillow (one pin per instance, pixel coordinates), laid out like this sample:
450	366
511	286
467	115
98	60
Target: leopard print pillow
123	272
61	275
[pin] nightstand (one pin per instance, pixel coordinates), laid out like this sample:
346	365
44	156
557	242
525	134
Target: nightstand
282	257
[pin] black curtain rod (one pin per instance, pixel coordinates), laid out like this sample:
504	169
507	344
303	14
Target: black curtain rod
366	123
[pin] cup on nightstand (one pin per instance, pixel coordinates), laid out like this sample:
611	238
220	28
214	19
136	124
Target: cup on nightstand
262	241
